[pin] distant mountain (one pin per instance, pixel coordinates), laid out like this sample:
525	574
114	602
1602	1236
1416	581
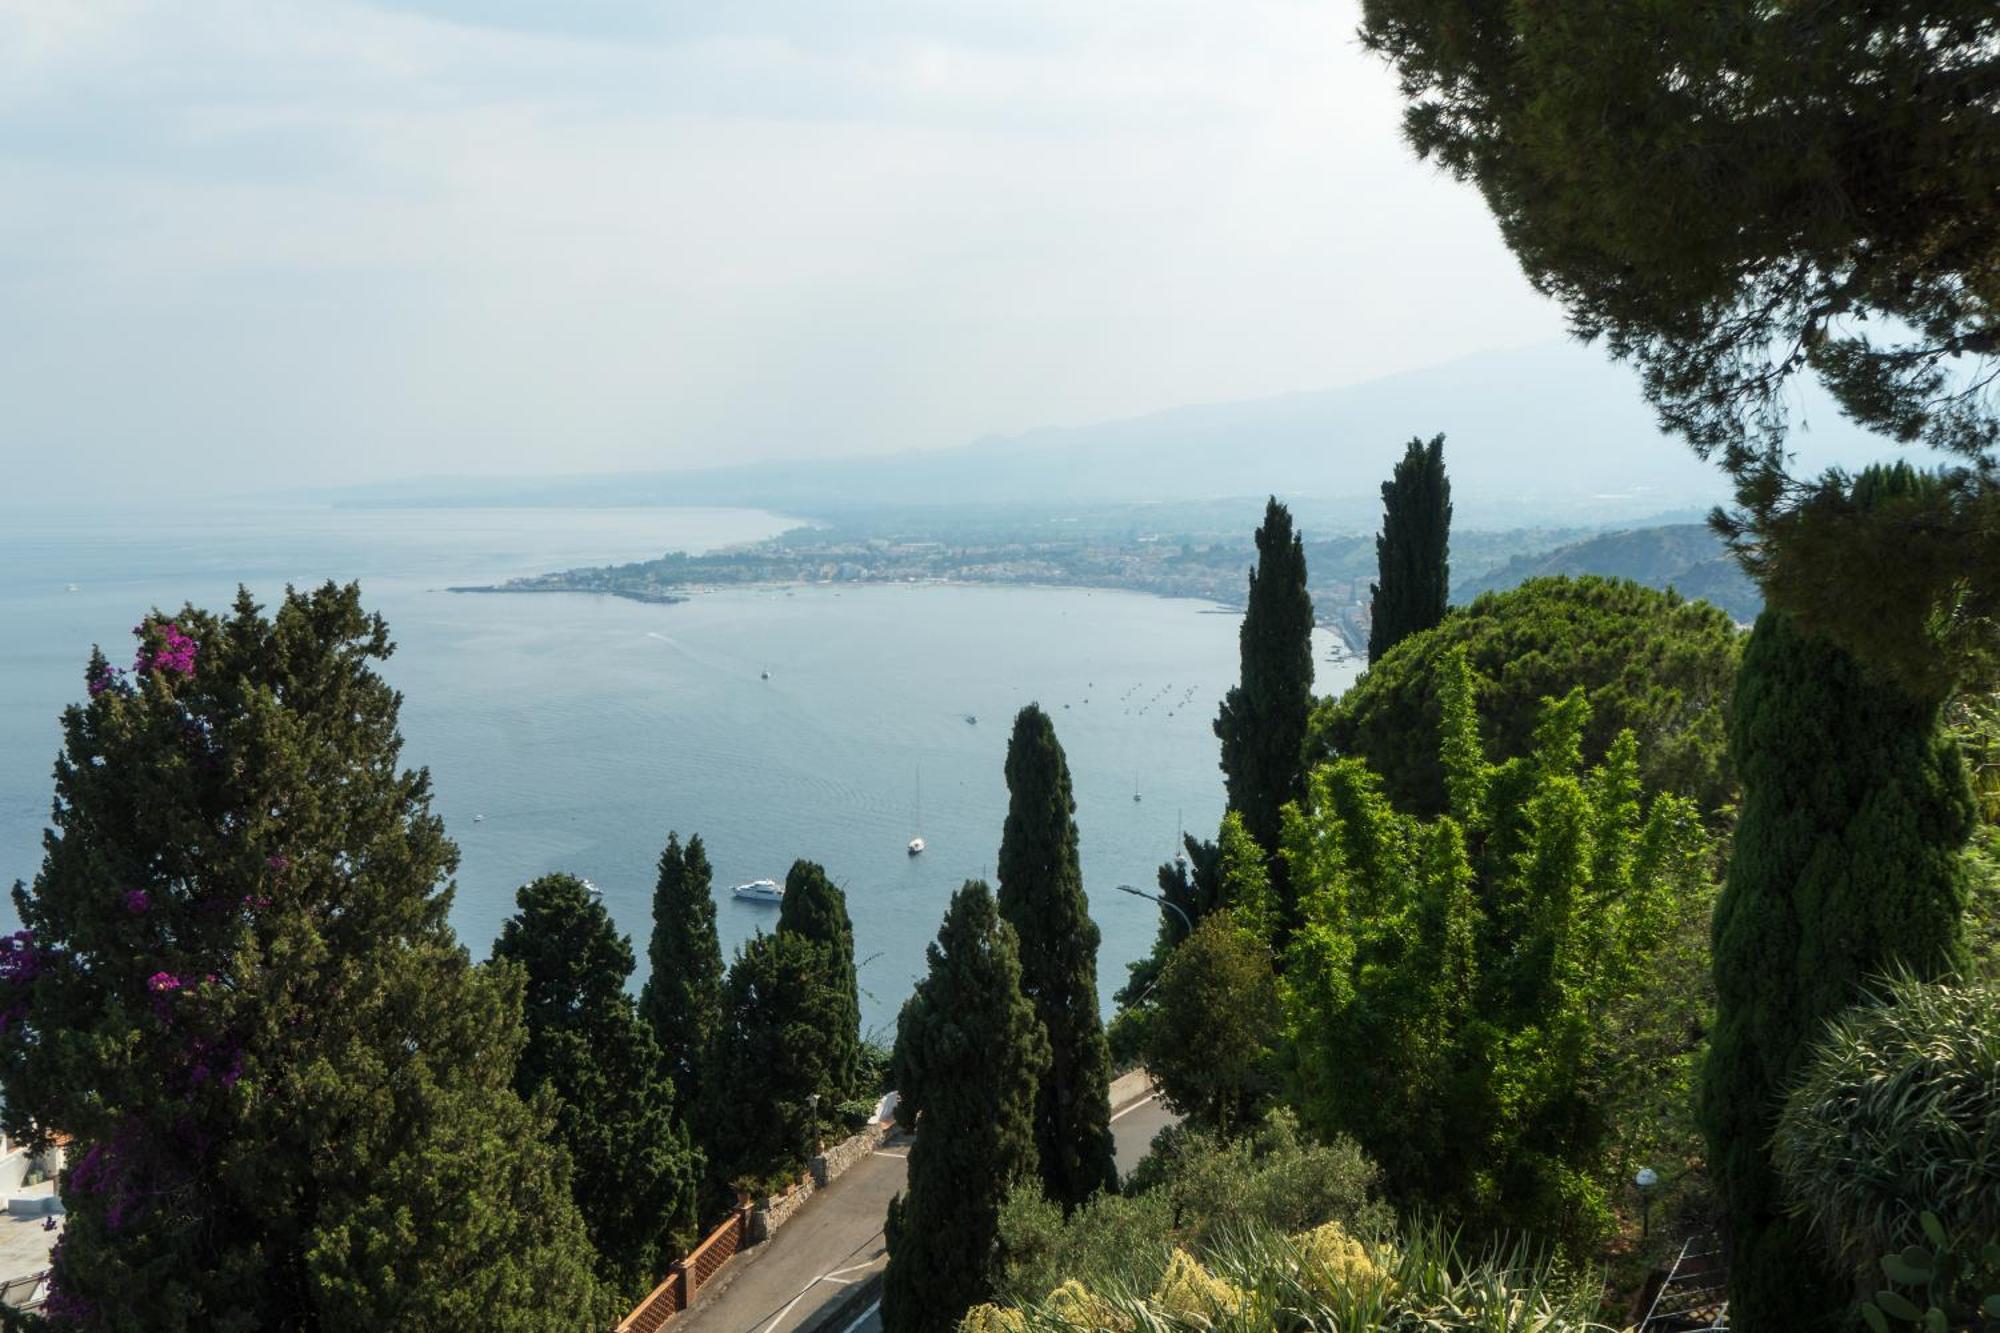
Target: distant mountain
1685	556
1552	435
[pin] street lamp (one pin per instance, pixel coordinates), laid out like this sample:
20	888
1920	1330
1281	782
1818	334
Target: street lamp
1138	892
1646	1180
812	1102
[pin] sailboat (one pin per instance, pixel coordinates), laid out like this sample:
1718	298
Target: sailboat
916	847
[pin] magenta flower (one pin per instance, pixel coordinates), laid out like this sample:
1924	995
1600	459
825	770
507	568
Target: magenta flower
174	654
162	982
103	677
279	862
138	901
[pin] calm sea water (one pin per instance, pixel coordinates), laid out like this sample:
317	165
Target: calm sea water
584	728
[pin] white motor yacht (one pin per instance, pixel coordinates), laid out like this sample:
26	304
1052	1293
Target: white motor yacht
760	891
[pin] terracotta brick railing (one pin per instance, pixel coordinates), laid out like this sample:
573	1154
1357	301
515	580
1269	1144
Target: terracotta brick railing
678	1291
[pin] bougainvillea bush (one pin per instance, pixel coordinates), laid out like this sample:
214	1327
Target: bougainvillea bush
236	988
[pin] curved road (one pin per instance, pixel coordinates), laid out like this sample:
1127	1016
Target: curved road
835	1240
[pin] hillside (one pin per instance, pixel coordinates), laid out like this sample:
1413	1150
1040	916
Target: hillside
1684	556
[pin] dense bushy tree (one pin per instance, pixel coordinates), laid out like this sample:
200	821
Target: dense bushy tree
1445	999
635	1177
775	1051
1646	661
815	908
1778	189
1845	865
237	989
969	1055
1262	724
1208	1040
1413	554
682	998
1041	895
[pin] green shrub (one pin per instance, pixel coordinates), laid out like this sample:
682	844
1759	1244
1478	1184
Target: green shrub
1887	1146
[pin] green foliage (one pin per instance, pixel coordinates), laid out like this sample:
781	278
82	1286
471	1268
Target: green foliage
1196	1189
777	1050
1780	189
1846	864
1648	662
969	1054
815	908
1413	554
1885	1146
1446	1000
1041	896
634	1176
238	990
1208	1041
1946	1282
1262	723
1261	1278
682	998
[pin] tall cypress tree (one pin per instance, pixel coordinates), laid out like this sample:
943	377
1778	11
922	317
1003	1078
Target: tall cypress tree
1262	725
238	989
969	1054
1413	553
1041	895
635	1175
816	909
682	998
1845	866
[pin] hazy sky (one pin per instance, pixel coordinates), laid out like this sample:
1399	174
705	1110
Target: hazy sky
255	242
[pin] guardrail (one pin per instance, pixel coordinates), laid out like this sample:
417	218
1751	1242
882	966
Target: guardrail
678	1291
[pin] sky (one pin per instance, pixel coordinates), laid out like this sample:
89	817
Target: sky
258	243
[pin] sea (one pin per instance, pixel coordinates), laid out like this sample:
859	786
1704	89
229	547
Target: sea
572	732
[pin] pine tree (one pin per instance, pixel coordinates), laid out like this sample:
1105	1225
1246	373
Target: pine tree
1413	552
289	1088
682	998
1262	724
1041	895
815	908
1845	867
635	1175
772	1057
969	1054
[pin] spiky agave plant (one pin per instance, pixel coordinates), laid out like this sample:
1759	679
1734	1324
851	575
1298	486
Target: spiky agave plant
1895	1118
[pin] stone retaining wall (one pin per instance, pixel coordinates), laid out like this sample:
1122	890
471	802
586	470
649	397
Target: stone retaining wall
830	1165
822	1171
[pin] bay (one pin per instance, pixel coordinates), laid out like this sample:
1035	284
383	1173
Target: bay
571	732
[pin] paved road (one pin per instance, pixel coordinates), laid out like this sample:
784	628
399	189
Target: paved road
835	1240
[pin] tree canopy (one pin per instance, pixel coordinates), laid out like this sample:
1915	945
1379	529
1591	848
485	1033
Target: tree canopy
1447	999
1646	661
969	1055
1413	554
1846	864
237	989
682	998
1041	896
635	1176
1736	194
816	909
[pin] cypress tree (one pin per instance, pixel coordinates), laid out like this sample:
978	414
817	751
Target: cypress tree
1041	895
682	998
816	909
969	1053
635	1175
772	1057
1262	725
1412	554
238	989
1846	865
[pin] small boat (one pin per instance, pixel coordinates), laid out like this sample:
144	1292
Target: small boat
760	891
479	819
766	676
592	889
971	721
916	847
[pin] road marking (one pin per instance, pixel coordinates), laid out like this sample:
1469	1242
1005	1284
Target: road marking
1135	1106
852	1267
862	1318
882	1152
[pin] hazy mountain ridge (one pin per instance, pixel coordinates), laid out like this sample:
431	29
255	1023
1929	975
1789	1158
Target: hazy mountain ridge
1687	557
1543	436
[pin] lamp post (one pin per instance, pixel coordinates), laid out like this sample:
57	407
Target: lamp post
1646	1180
812	1102
1138	892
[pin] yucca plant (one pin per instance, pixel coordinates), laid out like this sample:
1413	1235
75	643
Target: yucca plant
1890	1150
1257	1279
